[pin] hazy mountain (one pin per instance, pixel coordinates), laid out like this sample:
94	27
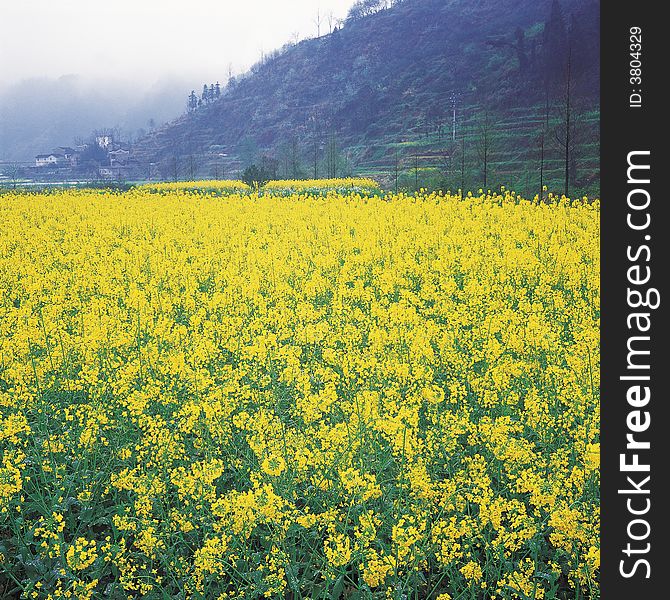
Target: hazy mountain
37	115
383	83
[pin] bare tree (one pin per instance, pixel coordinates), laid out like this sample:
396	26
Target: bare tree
291	159
568	116
396	168
454	101
12	171
192	167
445	162
564	133
485	144
315	134
317	22
332	157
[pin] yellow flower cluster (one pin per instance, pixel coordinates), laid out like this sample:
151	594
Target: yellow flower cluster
215	186
270	396
81	554
342	185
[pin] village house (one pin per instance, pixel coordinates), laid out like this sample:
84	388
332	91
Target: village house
63	156
50	160
118	157
106	172
70	154
114	162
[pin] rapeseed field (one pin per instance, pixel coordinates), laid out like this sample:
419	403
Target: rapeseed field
295	396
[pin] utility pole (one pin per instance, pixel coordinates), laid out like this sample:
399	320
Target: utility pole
397	168
416	170
462	166
542	167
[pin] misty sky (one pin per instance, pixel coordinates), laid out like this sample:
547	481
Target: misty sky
149	40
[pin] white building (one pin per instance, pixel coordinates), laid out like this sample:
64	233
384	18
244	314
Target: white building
49	160
104	141
118	157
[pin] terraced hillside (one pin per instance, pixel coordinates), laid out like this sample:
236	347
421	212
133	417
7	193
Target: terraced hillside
377	97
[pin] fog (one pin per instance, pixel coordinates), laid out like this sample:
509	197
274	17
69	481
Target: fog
148	40
39	114
71	66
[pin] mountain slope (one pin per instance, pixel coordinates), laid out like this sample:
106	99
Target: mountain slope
380	89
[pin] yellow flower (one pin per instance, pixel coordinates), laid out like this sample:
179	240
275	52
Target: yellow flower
81	554
338	550
592	457
273	465
472	571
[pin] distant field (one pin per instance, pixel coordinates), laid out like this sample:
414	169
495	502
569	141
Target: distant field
299	396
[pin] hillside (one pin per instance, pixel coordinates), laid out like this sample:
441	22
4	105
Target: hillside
377	93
